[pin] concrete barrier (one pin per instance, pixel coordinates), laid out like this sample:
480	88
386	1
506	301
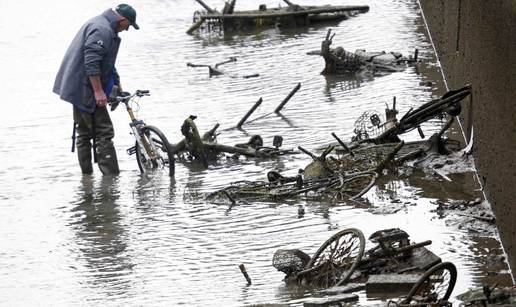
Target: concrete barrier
476	44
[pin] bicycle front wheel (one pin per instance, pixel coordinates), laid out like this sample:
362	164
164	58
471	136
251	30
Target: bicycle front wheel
337	258
435	286
158	155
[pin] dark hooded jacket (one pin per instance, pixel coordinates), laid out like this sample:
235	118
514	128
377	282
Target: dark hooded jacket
92	52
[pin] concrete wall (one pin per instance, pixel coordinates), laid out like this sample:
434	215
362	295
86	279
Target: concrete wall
476	44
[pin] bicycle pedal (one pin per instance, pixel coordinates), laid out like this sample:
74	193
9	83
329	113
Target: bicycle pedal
131	151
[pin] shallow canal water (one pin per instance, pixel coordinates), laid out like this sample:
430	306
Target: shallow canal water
71	240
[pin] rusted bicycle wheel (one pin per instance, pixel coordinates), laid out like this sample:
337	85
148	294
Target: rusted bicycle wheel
356	185
334	262
435	286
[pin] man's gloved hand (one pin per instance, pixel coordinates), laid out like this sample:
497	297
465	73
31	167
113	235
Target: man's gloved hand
123	94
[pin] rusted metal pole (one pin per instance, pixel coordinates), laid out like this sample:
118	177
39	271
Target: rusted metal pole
342	144
195	26
292	5
284	102
256	105
389	157
242	269
446	126
229	7
211	134
289	3
307	152
328	34
206	7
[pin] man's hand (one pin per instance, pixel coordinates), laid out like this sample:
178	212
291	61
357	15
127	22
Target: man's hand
100	98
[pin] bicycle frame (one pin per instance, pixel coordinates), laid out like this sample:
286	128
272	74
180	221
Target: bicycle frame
152	149
136	125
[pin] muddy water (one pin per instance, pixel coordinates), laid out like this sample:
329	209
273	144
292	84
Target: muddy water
71	240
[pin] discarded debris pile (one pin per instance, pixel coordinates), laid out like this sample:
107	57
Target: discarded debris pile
375	136
462	205
489	296
394	268
473	216
340	61
395	254
332	264
292	15
204	149
318	180
379	132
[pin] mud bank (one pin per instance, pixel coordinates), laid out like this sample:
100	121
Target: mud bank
475	43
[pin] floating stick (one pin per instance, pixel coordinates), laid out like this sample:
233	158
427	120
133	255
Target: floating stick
242	269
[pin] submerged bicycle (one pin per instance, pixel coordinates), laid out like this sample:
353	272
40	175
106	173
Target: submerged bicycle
369	126
152	149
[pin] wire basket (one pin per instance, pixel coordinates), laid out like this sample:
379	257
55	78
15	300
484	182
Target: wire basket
368	125
290	261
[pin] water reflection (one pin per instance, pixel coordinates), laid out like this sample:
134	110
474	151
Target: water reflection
101	235
344	82
433	186
150	191
216	36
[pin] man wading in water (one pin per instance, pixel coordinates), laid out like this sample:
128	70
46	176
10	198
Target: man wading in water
85	79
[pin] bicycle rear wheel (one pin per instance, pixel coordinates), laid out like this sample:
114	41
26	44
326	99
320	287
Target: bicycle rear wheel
160	155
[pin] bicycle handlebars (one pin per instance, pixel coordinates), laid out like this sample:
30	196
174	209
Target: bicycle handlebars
115	98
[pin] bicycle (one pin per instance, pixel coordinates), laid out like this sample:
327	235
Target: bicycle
449	103
152	149
433	288
332	264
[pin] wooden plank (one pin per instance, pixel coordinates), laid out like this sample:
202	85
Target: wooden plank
390	284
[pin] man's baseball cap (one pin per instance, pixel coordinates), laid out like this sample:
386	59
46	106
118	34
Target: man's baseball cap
128	12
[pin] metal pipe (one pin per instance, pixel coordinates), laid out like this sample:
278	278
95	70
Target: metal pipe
206	7
284	102
256	105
